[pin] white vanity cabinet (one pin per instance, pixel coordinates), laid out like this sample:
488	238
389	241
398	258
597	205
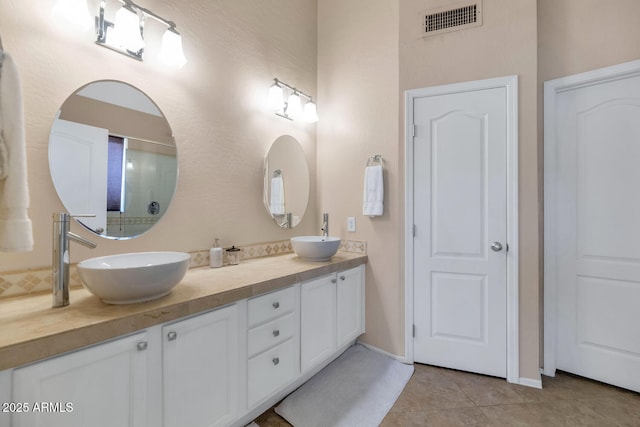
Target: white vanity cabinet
104	385
200	369
332	314
217	368
272	343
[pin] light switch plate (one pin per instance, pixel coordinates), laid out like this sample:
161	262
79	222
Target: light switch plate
351	224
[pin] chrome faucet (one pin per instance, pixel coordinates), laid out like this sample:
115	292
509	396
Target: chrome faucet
61	237
325	225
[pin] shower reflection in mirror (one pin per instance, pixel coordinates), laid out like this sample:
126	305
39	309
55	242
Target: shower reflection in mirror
112	153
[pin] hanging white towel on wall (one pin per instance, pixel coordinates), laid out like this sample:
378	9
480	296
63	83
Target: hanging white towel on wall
373	197
15	226
276	205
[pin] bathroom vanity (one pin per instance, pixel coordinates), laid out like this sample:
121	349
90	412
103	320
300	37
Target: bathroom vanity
223	347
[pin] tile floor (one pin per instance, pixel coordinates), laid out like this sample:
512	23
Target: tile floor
443	397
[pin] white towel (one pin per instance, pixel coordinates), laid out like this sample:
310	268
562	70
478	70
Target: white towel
16	233
276	204
373	197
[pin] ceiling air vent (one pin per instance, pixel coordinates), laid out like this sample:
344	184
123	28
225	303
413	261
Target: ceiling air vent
447	19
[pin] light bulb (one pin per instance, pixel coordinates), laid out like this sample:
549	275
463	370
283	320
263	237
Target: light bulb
171	53
294	106
74	12
126	30
310	112
276	97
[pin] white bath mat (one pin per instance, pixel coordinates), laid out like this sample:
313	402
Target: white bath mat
356	390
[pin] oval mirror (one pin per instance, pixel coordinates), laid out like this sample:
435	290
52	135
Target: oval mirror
112	154
286	182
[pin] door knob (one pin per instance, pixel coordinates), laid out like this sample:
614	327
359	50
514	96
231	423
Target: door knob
496	246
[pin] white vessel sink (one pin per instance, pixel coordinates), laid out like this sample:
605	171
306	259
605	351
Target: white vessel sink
134	277
315	248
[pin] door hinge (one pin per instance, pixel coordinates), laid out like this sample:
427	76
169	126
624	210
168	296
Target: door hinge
506	247
414	330
413	131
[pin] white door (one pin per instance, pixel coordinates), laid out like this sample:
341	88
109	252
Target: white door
460	217
78	158
596	209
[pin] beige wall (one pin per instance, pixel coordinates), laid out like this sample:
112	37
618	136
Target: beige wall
215	106
358	91
581	35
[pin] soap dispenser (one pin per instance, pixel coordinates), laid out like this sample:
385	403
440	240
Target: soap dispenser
215	255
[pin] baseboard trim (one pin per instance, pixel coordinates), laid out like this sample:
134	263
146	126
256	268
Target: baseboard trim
401	359
530	382
527	382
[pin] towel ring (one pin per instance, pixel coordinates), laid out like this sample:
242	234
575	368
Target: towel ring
375	160
277	173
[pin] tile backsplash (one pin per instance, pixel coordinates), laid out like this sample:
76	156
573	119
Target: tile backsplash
24	282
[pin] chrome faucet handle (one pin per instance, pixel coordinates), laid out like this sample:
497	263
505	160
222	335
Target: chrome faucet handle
79	239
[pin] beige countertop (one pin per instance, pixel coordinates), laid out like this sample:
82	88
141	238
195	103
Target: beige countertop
33	330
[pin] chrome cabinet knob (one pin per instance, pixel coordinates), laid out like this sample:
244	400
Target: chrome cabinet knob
342	277
172	335
142	345
496	246
333	281
275	360
276	333
276	304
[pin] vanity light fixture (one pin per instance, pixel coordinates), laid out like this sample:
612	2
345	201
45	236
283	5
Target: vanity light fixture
294	106
286	101
126	34
127	31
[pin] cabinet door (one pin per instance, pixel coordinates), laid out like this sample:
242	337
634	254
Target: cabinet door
317	320
200	369
350	290
104	385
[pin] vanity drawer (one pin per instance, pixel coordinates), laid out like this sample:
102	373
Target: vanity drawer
271	305
270	371
274	332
